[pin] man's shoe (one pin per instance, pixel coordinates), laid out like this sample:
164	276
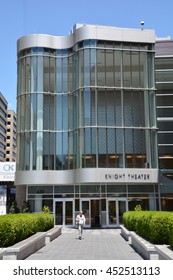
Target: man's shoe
80	237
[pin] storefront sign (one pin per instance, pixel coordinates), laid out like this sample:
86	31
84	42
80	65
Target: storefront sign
132	176
3	199
7	171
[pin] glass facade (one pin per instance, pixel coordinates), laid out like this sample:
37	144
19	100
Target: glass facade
87	132
103	205
89	106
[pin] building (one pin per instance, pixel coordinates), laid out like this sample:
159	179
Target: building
11	136
7	132
7	155
164	98
86	124
3	128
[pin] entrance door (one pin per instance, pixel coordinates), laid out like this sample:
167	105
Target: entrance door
64	209
91	210
116	208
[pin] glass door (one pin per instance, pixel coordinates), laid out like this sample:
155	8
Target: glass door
63	212
58	212
92	211
115	210
86	208
112	213
122	207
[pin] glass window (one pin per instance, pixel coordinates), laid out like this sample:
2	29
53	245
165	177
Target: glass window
93	106
101	68
52	74
65	74
102	148
65	116
101	98
110	108
27	151
59	75
65	150
81	68
90	189
135	69
141	189
46	146
28	74
126	69
46	74
117	68
59	156
87	107
87	67
64	189
109	68
93	66
46	112
143	70
51	112
119	147
40	189
71	74
59	109
116	189
31	151
133	108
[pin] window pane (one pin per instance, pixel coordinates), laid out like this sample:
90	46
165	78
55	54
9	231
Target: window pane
126	69
101	67
135	70
109	68
117	68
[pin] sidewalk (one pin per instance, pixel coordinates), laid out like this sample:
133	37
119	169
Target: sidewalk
96	244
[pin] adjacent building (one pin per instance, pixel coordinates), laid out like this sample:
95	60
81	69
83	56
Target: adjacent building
7	154
86	124
11	136
164	98
3	128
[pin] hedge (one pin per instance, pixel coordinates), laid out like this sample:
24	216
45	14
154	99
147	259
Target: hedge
16	227
155	226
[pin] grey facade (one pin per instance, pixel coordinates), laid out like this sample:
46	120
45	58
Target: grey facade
164	97
87	133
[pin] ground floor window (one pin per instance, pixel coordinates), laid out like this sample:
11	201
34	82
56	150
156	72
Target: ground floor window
103	205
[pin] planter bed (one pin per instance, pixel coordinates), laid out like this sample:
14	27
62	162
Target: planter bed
164	252
30	245
143	247
125	233
52	234
24	248
146	249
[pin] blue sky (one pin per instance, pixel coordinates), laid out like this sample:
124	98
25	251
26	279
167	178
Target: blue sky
55	17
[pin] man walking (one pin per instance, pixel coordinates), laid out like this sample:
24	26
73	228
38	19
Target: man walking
80	221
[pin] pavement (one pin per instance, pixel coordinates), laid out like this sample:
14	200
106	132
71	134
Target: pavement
96	244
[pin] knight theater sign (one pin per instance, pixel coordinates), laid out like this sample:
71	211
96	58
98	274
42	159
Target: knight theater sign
7	171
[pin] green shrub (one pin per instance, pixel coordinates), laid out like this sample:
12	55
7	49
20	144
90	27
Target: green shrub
155	226
16	227
46	210
138	208
171	232
160	228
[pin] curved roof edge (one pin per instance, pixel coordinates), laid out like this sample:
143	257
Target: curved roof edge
85	32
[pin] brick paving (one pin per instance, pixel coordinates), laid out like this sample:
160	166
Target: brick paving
96	244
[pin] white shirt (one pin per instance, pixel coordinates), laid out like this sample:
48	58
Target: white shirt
80	219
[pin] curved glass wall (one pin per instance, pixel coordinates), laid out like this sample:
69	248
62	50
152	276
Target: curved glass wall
86	107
